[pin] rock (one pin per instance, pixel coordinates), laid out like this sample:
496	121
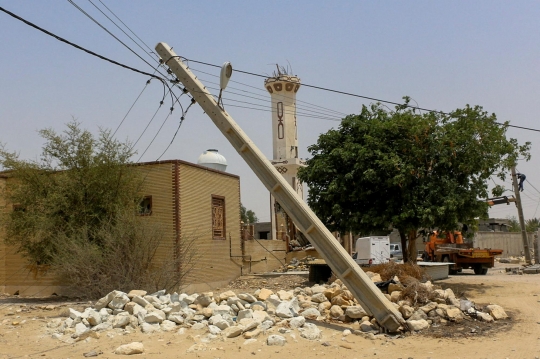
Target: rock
496	311
284	311
167	326
223	309
232	332
250	341
318	298
94	318
207	312
346	332
262	316
130	349
406	311
395	296
429	307
87	334
394	287
366	327
264	294
73	314
454	314
252	334
133	293
418	315
297	322
485	317
102	327
176	317
103	302
121	320
376	278
417	325
157	316
118	301
140	301
247	297
80	328
323	306
149	328
355	312
276	340
311	332
153	300
196	348
212	329
311	313
226	295
439	293
219	322
205	299
249	324
92	353
336	311
246	313
159	293
332	292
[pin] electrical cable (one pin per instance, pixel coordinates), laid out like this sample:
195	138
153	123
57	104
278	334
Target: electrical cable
106	30
182	118
354	95
162	124
144	43
111	20
127	113
79	47
266	92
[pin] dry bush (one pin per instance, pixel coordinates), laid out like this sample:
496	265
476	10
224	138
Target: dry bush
415	292
124	260
402	271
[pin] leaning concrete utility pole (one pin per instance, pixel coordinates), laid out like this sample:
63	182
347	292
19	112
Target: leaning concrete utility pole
369	296
521	219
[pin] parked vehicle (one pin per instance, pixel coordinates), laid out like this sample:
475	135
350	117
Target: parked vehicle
372	250
395	252
450	248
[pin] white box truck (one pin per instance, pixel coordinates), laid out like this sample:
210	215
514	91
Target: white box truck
372	250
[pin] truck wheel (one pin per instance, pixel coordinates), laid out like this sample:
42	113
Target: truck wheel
451	271
480	271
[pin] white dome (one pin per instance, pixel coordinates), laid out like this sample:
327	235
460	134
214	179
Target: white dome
212	159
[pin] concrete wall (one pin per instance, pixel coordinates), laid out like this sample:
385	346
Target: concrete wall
510	242
266	255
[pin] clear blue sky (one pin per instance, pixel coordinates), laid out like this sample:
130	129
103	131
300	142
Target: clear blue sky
444	54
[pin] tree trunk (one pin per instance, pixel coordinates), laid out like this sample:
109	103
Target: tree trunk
412	251
404	246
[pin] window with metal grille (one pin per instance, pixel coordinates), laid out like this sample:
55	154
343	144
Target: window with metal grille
218	217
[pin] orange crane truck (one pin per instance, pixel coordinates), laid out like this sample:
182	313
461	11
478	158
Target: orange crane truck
451	248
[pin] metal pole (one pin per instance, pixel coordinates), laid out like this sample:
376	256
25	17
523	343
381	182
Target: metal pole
342	264
521	219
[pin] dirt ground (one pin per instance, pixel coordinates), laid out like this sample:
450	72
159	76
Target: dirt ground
23	332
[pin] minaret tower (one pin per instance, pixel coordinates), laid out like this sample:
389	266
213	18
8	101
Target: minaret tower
282	89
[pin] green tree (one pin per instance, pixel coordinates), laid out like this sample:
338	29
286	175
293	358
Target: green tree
75	212
407	170
247	215
532	224
78	183
513	224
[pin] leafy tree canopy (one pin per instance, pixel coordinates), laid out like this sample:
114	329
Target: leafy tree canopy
407	170
247	215
78	183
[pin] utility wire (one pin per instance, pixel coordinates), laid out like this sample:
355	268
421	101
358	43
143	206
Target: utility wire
354	95
77	46
125	33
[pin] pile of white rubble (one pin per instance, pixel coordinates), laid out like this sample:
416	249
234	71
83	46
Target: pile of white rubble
264	312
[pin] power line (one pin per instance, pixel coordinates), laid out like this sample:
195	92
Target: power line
353	95
79	47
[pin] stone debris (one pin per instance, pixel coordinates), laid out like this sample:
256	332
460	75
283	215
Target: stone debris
130	349
250	315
